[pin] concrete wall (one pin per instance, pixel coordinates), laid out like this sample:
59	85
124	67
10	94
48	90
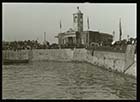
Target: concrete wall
109	55
79	54
109	60
129	56
53	54
16	55
114	61
133	68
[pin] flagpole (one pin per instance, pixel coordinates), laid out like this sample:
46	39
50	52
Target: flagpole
113	35
88	29
60	26
88	23
120	30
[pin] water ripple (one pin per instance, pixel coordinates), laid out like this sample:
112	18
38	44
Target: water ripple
61	80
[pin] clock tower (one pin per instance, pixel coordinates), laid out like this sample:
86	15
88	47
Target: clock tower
78	21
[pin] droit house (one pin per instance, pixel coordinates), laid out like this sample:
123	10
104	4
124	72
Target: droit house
78	37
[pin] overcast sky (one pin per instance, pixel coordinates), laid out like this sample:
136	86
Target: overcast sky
29	21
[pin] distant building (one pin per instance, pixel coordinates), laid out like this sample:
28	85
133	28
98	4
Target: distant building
77	37
88	37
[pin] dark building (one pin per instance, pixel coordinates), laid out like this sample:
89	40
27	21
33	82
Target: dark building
90	37
78	37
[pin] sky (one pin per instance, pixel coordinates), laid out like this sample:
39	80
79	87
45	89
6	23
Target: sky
29	21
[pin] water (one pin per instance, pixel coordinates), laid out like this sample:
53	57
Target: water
63	80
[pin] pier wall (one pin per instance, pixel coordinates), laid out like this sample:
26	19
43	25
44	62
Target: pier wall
16	55
107	61
129	57
132	70
53	54
110	60
79	55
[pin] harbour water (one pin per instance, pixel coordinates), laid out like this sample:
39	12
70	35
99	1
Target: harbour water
64	80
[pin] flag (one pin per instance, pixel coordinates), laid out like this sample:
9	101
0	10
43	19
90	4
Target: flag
120	29
88	22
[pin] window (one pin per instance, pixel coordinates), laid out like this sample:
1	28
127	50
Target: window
75	19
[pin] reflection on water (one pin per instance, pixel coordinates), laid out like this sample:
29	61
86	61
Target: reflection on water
61	80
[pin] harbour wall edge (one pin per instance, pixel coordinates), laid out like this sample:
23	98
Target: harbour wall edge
110	60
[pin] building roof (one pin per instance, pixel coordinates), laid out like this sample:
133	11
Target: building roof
91	31
105	34
70	30
70	35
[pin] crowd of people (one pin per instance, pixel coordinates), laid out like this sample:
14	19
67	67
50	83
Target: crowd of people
34	44
18	45
116	46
